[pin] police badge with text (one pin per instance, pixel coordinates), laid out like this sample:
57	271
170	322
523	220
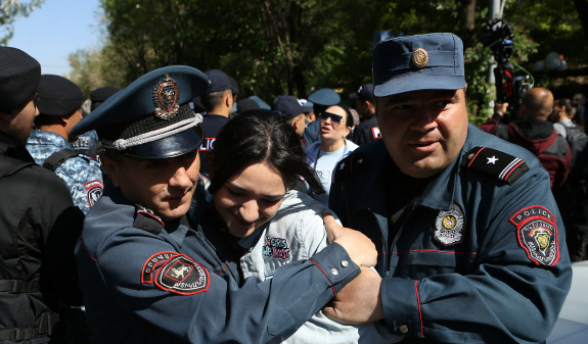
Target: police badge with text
449	226
176	273
537	234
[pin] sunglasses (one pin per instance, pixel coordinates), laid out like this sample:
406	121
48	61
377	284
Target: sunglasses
336	119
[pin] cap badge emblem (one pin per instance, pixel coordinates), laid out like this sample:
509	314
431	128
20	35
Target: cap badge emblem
165	99
420	58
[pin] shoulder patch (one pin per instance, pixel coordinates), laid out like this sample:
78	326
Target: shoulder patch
353	164
145	219
182	275
500	165
537	234
94	191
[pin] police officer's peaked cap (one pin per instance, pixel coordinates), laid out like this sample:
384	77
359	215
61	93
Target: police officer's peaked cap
19	78
421	62
219	81
325	97
58	96
151	118
262	105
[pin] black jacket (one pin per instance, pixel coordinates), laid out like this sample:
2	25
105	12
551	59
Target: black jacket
39	226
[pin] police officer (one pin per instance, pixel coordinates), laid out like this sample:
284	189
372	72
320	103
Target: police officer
472	247
368	129
59	108
218	103
39	224
150	278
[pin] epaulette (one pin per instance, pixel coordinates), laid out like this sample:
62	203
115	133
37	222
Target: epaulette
351	165
500	165
147	220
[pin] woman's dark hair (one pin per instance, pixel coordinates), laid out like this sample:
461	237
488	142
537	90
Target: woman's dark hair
259	136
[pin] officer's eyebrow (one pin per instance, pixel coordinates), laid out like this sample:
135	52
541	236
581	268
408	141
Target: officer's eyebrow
269	197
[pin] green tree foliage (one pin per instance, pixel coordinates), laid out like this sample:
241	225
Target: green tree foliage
9	11
276	47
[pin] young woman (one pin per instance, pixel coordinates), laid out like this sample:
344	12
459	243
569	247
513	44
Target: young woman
264	223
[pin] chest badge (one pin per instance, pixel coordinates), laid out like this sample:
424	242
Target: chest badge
449	226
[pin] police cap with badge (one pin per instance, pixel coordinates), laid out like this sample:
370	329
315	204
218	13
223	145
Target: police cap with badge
151	118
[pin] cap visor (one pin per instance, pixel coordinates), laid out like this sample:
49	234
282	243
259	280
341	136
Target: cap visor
170	147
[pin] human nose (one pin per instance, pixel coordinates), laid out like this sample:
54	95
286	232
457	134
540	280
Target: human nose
424	119
249	211
181	179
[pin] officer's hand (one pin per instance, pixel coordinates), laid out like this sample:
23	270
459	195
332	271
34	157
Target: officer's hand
359	302
359	247
500	108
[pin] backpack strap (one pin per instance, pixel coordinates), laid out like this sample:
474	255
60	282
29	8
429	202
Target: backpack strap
58	158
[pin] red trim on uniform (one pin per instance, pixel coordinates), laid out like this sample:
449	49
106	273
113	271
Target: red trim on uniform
315	264
88	252
221	271
513	169
437	251
351	163
475	156
416	289
204	289
152	216
154	267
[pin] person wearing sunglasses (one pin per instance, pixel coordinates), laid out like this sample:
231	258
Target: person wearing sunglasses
335	124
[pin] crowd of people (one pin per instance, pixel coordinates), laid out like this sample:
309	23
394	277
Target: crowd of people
173	211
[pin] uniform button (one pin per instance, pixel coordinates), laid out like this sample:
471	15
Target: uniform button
387	273
334	272
344	263
403	329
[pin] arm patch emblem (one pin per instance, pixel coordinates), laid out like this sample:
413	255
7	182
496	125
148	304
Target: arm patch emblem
537	234
176	273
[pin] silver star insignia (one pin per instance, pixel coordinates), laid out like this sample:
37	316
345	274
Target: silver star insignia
492	160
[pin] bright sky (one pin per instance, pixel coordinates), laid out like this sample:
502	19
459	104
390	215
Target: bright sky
58	28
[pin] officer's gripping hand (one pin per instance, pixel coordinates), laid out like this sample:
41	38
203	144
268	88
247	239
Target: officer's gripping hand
359	247
359	302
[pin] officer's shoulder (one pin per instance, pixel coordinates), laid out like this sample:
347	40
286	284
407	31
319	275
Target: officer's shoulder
146	220
504	161
361	160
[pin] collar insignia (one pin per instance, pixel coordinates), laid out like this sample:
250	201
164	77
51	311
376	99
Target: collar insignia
165	99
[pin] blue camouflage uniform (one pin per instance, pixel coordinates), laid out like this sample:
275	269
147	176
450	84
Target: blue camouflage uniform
81	174
145	286
478	257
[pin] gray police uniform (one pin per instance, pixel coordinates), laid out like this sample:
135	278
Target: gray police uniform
81	174
151	281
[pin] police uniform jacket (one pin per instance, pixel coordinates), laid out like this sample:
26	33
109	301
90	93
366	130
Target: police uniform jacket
479	256
366	131
212	125
81	174
38	229
150	281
